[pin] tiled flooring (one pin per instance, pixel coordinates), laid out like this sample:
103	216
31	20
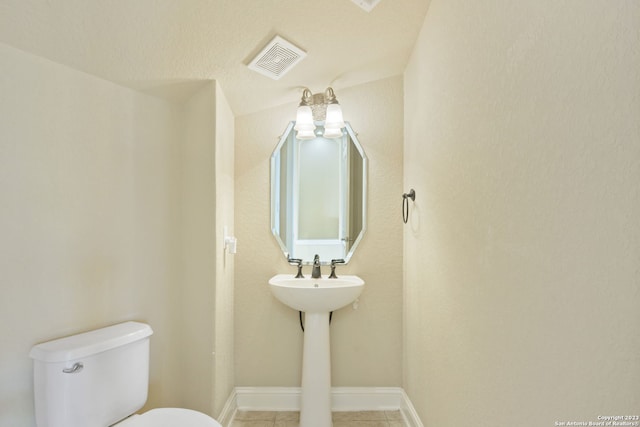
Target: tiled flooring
340	419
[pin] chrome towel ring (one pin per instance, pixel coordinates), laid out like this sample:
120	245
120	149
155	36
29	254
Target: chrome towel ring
405	204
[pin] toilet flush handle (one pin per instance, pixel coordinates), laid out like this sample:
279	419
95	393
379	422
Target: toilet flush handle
76	368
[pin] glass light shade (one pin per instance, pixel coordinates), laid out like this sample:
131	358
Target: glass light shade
332	132
305	128
334	117
305	134
304	119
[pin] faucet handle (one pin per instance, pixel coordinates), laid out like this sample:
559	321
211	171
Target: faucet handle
298	262
333	267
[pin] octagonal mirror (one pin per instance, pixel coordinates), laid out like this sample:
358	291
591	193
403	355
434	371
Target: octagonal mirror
318	195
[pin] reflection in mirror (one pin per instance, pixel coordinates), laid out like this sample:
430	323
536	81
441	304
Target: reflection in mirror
318	195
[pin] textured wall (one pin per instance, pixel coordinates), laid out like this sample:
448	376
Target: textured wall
89	177
522	282
196	289
206	286
112	209
224	380
366	343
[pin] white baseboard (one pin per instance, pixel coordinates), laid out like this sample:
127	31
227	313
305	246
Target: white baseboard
342	399
225	418
409	412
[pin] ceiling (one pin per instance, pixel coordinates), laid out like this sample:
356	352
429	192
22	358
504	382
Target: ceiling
168	47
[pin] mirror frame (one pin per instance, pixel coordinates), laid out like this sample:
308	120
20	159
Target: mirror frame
275	200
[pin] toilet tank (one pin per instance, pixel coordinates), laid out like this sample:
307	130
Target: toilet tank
92	379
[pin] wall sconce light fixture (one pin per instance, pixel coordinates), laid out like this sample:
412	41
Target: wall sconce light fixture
319	107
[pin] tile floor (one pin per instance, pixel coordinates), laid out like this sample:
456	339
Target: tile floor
340	419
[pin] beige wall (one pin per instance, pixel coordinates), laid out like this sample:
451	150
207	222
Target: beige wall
224	379
206	288
199	251
101	190
521	258
88	177
366	343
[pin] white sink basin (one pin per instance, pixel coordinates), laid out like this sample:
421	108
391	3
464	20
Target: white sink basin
316	295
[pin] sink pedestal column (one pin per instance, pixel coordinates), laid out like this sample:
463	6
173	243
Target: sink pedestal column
315	402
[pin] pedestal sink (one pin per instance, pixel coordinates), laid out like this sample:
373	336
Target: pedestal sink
316	297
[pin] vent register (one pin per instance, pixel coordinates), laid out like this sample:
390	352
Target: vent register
277	58
367	5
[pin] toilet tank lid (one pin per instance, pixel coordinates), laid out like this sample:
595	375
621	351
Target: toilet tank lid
89	343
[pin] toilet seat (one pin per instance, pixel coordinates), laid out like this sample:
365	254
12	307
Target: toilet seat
169	417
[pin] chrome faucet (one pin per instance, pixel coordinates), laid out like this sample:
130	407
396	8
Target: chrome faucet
333	267
316	273
298	262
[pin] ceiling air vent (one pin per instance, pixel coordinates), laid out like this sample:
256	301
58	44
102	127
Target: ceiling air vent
367	5
277	58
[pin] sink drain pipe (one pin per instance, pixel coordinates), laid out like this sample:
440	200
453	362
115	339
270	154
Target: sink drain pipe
302	323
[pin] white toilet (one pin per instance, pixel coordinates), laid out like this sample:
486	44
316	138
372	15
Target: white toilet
99	379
